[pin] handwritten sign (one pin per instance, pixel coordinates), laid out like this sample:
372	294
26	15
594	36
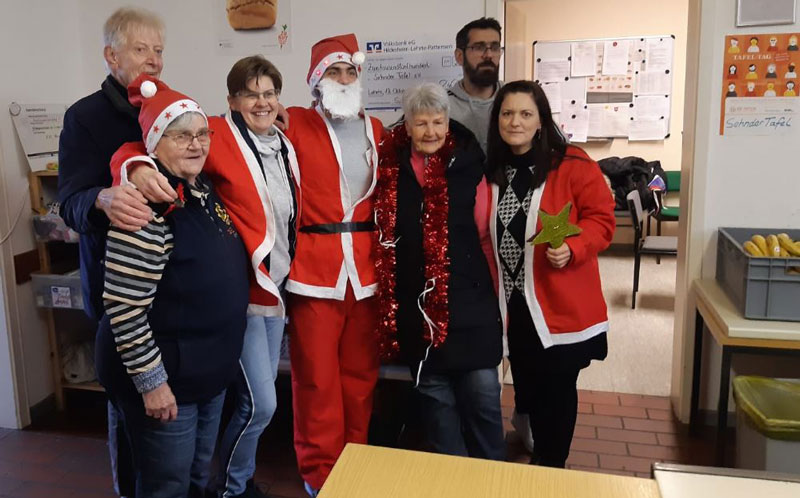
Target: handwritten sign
38	127
762	116
393	65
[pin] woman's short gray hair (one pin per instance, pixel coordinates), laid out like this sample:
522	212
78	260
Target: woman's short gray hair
117	27
426	97
182	121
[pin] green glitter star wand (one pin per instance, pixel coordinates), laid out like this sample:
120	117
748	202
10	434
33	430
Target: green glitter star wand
555	228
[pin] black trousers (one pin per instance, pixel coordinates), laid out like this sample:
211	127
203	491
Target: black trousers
545	383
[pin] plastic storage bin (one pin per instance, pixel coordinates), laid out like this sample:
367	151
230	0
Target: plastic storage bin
762	288
57	291
767	424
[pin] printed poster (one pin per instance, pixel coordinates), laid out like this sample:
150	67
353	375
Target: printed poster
38	127
247	27
759	84
395	64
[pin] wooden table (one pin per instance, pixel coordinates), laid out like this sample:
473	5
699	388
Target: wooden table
734	334
377	472
685	481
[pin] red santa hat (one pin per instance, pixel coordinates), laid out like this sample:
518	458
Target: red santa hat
324	53
160	105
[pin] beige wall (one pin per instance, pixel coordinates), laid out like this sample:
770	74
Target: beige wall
551	20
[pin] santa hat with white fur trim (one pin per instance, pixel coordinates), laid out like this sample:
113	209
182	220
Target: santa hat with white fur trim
160	105
324	53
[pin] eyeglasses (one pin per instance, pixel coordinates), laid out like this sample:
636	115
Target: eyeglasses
184	139
252	97
481	48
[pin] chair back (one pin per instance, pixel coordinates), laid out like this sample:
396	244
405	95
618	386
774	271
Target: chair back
673	180
635	208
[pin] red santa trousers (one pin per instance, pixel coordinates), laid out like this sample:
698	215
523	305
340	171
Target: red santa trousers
334	355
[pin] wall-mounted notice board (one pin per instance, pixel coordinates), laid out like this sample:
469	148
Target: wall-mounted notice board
608	88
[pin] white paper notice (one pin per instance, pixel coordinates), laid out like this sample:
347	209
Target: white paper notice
653	83
658	56
552	70
584	58
573	92
777	116
38	127
615	57
553	93
647	129
395	64
576	125
608	120
651	107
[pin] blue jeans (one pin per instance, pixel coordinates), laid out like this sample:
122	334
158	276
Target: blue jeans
172	459
255	402
119	449
461	413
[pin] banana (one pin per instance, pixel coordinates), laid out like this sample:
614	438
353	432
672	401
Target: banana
752	249
773	247
761	242
784	253
788	245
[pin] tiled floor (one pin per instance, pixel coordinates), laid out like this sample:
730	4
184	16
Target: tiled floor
65	456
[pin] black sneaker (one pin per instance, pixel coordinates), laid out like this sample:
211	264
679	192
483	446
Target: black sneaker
254	490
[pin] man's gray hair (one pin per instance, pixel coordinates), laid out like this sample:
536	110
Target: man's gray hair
117	27
426	97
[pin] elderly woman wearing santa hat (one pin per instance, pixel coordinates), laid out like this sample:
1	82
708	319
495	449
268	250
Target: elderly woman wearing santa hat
176	300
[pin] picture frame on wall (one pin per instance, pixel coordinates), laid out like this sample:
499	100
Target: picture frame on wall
765	12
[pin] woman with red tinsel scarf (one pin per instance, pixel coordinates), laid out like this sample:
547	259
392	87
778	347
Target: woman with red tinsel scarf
551	298
438	307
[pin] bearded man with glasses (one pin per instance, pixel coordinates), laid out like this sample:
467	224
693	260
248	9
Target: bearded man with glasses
478	52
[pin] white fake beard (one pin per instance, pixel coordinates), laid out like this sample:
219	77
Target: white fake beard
340	101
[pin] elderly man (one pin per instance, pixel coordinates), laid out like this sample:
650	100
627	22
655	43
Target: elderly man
94	127
332	315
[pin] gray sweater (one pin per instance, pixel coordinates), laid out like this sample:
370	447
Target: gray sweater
353	142
280	193
472	112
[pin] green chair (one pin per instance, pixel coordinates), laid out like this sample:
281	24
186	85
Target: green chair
663	212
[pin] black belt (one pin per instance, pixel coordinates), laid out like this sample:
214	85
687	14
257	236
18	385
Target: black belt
332	228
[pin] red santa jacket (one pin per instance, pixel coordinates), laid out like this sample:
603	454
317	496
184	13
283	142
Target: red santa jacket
567	304
324	263
239	181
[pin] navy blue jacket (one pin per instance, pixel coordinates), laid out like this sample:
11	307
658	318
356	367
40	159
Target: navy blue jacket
94	128
198	315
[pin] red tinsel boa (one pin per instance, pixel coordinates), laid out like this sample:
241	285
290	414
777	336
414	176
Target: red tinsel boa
436	206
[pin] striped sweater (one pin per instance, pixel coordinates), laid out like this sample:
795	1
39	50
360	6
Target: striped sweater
175	299
135	262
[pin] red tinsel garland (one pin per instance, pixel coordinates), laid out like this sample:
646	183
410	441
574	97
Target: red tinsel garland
435	239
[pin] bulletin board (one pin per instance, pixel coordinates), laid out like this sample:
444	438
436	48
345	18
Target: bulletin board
608	88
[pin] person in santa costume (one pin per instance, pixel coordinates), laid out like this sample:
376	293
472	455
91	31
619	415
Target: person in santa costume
254	169
332	310
551	299
175	298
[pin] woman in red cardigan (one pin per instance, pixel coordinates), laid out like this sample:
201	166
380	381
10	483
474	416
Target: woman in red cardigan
551	299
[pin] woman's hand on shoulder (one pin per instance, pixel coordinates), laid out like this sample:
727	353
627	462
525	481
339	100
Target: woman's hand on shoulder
559	258
160	403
